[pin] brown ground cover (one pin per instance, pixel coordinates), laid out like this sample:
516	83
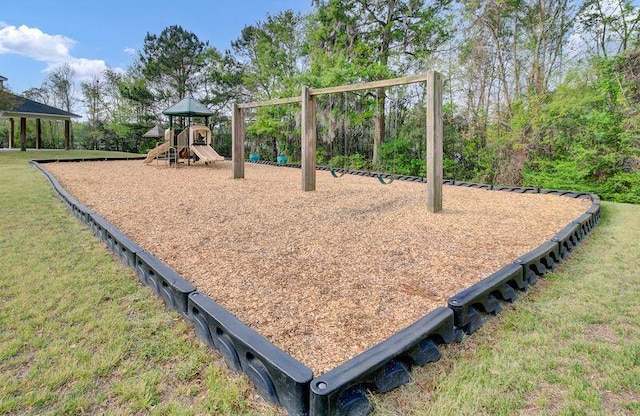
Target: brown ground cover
326	274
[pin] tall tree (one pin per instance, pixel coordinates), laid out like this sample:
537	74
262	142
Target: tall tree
546	26
171	62
135	89
269	53
62	86
519	42
94	100
221	84
612	25
384	32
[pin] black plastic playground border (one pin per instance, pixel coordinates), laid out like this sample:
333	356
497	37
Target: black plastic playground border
283	380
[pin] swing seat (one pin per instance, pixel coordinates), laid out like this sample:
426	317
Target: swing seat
385	181
337	174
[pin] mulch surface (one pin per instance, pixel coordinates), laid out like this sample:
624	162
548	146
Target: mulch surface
324	275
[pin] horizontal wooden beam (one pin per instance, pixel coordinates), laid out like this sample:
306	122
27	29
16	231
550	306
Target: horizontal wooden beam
277	101
370	85
412	79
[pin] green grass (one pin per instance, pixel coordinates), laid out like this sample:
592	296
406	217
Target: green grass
78	334
571	346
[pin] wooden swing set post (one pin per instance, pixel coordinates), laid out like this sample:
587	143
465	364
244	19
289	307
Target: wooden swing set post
434	142
308	118
237	138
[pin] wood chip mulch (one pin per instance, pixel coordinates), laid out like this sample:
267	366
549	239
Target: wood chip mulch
324	275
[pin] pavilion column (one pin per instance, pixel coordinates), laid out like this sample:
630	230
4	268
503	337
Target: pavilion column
23	134
67	133
38	133
12	132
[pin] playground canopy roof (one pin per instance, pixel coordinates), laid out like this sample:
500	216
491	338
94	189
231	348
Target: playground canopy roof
157	131
188	107
25	108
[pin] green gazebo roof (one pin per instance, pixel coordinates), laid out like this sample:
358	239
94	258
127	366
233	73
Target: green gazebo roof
188	107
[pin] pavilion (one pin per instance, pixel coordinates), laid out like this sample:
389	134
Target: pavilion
21	108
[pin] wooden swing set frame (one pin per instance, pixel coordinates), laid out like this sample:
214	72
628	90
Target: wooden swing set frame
434	131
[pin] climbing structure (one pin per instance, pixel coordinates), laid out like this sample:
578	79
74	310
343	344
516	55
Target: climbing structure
191	144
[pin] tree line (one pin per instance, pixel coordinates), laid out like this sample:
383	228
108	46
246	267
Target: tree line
537	92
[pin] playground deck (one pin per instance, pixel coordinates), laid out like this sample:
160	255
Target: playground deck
324	275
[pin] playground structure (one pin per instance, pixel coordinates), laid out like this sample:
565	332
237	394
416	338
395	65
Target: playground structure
433	135
192	143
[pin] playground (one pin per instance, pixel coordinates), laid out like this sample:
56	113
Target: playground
323	275
322	295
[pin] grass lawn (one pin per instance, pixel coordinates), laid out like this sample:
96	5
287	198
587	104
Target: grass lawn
79	334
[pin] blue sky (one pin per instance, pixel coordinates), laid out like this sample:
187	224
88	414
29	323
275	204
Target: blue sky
38	35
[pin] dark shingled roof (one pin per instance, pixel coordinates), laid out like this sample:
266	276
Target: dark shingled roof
25	106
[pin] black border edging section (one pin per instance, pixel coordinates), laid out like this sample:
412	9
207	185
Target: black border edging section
164	282
594	209
585	224
365	173
81	211
567	239
100	227
517	189
153	273
539	261
87	159
486	297
122	246
116	241
568	194
383	367
280	378
472	185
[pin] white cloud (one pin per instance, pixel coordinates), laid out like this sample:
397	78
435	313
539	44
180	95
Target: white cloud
34	43
54	50
130	51
83	69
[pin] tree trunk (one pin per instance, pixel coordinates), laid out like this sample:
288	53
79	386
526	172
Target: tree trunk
378	137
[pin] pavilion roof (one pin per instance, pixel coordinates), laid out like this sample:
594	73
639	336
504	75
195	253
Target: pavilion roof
25	107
